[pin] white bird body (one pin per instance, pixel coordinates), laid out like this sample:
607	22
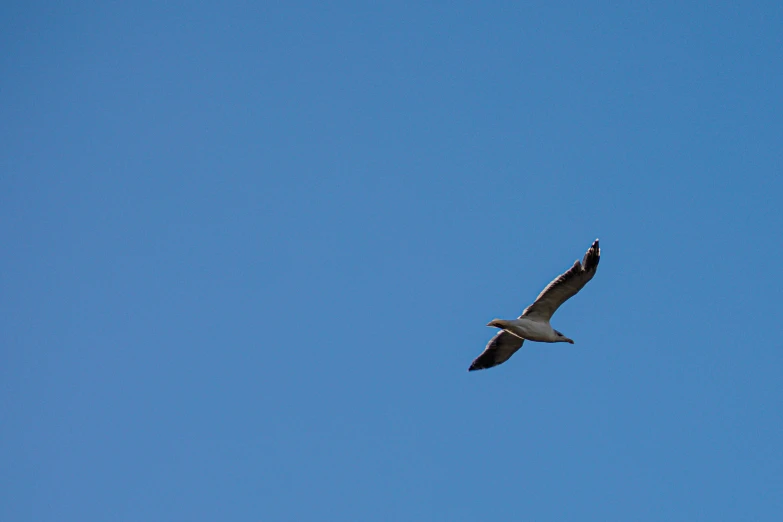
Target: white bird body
529	329
533	324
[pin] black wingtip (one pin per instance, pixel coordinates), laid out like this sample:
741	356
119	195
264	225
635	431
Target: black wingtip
592	256
477	365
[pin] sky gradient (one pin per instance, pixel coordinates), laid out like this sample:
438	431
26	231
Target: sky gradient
249	250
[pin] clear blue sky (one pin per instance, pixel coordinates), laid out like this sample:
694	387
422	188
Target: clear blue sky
249	250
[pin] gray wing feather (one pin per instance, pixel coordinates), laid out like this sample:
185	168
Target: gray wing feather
564	286
498	351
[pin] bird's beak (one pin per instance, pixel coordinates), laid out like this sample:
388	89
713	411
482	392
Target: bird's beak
569	340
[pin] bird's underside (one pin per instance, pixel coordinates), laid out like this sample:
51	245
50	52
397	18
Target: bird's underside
504	344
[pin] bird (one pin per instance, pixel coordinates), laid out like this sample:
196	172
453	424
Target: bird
533	324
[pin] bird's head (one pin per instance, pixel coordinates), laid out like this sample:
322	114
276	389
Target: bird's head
562	338
497	323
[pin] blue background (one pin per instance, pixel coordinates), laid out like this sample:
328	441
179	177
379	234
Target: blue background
249	250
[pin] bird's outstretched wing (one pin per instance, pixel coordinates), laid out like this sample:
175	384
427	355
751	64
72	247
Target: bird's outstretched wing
498	350
564	286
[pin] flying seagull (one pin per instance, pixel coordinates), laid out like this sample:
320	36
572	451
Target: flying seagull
533	324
